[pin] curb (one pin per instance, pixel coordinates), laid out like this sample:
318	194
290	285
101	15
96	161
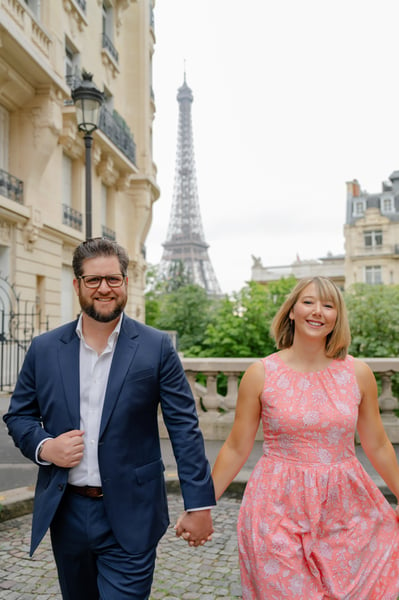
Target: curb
16	503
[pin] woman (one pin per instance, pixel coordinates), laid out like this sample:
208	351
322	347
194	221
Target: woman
312	524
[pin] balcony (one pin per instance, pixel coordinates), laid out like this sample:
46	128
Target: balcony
11	187
71	217
216	412
118	132
108	45
108	233
81	4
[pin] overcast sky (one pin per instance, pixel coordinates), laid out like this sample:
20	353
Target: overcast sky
291	100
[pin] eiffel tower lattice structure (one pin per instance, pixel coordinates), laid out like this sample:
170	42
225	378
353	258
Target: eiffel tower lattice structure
185	249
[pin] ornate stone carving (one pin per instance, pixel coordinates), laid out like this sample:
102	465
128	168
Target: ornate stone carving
32	228
5	232
106	170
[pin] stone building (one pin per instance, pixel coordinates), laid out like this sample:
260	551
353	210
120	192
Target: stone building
331	266
45	45
371	233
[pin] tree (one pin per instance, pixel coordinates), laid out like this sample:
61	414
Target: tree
240	327
185	310
373	312
152	293
236	326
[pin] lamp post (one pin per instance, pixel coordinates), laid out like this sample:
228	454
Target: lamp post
88	100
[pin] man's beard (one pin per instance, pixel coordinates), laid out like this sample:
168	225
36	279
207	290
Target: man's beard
90	311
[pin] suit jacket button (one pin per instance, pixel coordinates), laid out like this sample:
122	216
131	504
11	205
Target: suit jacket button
61	487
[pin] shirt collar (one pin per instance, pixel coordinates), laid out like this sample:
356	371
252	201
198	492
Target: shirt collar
113	335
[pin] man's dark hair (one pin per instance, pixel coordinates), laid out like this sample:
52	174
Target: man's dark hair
98	247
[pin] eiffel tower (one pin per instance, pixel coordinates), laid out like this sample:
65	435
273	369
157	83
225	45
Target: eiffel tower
185	249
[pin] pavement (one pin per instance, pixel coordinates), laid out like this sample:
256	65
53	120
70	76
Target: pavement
210	572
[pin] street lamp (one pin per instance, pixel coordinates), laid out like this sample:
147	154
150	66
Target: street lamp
88	100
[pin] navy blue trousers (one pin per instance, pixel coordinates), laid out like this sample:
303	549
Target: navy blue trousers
91	564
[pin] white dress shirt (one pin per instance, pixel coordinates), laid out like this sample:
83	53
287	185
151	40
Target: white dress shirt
94	372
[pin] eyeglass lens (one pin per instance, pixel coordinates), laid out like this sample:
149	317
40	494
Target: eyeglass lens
94	281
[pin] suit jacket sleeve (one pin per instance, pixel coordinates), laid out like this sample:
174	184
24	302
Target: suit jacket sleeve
181	420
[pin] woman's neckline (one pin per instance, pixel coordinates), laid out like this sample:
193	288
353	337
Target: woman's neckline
331	362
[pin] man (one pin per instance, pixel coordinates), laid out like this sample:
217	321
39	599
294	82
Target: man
85	408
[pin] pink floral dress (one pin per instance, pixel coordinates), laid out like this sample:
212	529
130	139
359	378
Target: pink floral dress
313	525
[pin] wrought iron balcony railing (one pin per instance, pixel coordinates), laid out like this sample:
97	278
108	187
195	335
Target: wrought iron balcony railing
108	233
81	4
71	217
11	187
108	45
118	132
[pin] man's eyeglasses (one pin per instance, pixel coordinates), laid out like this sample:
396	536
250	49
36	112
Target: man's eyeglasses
94	281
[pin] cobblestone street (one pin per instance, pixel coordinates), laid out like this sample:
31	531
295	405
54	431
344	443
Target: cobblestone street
182	573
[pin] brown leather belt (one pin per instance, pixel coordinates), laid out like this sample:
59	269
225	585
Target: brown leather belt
89	491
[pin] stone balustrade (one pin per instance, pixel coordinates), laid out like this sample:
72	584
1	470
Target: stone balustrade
216	412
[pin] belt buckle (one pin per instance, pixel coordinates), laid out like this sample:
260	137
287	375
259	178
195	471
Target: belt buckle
93	492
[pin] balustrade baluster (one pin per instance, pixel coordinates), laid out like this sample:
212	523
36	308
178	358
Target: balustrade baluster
211	400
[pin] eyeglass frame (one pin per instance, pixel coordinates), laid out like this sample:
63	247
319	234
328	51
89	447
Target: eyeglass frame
101	278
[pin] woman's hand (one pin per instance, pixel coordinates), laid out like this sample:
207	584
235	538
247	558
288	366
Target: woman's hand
195	527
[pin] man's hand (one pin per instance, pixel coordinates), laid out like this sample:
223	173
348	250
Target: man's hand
195	527
65	450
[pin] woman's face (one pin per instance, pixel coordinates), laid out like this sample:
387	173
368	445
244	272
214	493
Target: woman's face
312	316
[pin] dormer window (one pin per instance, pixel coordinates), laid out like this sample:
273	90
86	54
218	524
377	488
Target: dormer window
387	205
358	208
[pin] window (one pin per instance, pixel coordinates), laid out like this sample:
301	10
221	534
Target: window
358	208
106	206
66	180
108	31
34	6
4	137
373	239
108	20
72	69
67	294
104	200
373	275
70	216
387	205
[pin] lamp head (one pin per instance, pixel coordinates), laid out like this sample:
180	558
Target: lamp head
88	100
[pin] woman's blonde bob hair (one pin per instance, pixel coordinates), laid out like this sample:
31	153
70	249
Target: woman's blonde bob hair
283	328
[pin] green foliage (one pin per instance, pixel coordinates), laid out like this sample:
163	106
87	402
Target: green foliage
185	310
154	289
373	312
374	320
240	326
236	326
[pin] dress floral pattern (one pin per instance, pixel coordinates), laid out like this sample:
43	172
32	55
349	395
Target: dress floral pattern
313	525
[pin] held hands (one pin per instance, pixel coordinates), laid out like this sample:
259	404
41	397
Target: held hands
65	450
195	527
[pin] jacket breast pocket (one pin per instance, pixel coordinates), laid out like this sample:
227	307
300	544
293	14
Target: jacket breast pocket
134	376
146	473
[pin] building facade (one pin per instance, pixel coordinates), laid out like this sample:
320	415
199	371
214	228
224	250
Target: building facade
45	46
372	234
331	266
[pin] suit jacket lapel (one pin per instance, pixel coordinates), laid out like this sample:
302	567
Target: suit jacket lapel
124	353
69	368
